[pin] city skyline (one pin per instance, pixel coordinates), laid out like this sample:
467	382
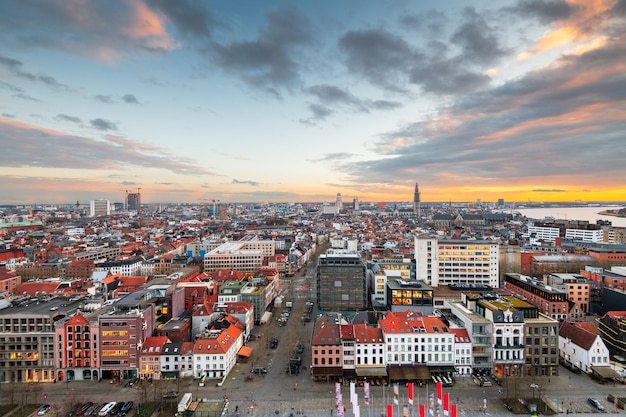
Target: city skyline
195	101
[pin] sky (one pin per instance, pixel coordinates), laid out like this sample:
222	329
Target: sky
295	101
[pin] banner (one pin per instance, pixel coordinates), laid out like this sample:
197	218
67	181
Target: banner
431	404
422	410
439	392
453	410
410	390
356	410
395	393
446	403
366	392
405	411
389	410
352	392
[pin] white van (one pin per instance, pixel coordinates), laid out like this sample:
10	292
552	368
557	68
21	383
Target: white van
106	409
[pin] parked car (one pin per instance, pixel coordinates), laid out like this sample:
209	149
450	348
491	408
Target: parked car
259	370
43	409
595	403
125	408
273	343
170	395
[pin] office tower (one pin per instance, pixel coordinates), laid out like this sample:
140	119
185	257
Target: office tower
417	210
338	204
99	208
133	201
341	283
355	203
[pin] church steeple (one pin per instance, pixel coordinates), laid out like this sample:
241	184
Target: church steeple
417	210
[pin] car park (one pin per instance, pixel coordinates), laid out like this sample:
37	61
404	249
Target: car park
595	403
43	409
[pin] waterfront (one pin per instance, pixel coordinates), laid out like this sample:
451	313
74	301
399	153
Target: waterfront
575	213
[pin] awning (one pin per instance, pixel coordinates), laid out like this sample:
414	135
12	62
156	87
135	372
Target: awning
409	372
371	372
327	371
245	351
605	372
441	369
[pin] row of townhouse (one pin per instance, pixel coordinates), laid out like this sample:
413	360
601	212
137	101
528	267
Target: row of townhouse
481	334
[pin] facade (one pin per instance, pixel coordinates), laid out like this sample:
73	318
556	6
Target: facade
585	235
541	344
550	301
260	296
581	348
150	359
612	327
9	280
77	349
409	295
578	291
462	352
244	255
467	262
535	234
215	354
370	351
133	201
326	349
171	362
99	208
383	270
341	283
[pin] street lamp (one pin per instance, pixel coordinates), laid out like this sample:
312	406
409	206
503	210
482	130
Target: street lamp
533	386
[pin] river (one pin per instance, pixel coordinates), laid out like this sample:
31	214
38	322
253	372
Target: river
575	213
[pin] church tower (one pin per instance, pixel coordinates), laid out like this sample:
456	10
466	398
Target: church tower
417	210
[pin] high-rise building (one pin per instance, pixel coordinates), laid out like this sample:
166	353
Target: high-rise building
338	204
133	201
341	283
99	208
455	261
417	209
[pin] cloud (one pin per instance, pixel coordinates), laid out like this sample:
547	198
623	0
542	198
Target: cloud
269	62
252	183
102	30
330	96
15	67
573	109
431	20
103	99
65	117
334	157
190	18
130	99
477	40
545	11
548	191
32	146
10	87
7	115
102	124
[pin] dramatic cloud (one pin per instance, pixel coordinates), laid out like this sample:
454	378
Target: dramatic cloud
32	146
431	20
103	30
331	96
477	40
102	124
269	62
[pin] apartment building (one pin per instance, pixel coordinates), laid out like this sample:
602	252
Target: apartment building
549	300
244	255
215	353
77	348
326	349
99	208
455	261
578	291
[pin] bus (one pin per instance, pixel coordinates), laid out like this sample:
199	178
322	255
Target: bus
184	403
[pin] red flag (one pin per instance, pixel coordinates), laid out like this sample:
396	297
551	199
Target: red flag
439	392
446	404
410	387
422	410
453	411
389	410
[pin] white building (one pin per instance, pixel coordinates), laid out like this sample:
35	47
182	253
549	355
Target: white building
245	255
215	354
465	262
540	233
99	208
581	348
462	351
595	236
